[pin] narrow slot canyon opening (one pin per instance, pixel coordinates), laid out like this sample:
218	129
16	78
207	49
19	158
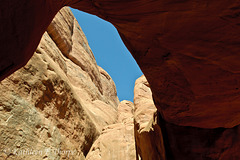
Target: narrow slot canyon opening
63	104
110	53
66	102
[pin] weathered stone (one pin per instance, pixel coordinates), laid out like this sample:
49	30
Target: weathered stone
43	114
116	141
148	134
187	50
157	139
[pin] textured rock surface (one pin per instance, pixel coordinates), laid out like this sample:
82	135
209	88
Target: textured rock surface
89	81
116	141
148	135
56	105
188	51
157	139
165	38
183	143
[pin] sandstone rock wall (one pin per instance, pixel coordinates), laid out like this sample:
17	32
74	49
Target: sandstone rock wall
116	142
188	51
148	134
56	106
157	139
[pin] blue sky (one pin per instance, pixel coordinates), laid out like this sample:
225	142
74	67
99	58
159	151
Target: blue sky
110	53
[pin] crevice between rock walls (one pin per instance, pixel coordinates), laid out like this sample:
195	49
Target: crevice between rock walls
157	139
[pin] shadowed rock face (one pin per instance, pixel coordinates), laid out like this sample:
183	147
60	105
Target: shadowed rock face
157	139
188	50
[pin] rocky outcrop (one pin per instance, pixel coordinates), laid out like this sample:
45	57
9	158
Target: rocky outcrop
188	51
148	134
157	139
165	38
116	142
56	106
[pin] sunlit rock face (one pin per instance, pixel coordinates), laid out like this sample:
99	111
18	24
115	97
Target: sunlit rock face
116	142
188	51
147	131
56	106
